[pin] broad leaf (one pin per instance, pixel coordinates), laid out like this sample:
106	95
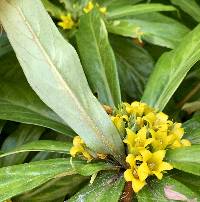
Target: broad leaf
192	129
171	69
154	28
156	190
186	159
65	88
106	187
54	189
137	9
21	178
134	66
22	135
41	145
98	59
191	7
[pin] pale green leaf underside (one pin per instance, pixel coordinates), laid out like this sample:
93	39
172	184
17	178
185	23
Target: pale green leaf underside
171	69
64	88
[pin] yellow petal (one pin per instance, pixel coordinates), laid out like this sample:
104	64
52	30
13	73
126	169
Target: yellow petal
165	166
103	10
162	116
146	154
87	155
128	175
150	118
143	171
142	133
137	185
159	175
158	156
185	143
76	149
77	141
131	160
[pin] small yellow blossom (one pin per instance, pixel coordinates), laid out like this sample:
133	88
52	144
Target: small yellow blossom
103	10
137	142
153	164
132	175
88	7
79	147
67	21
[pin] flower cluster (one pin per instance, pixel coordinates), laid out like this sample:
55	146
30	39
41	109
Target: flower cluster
148	135
67	21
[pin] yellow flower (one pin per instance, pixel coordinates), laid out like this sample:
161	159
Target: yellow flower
131	174
119	122
137	142
79	147
103	10
88	7
160	139
67	21
153	164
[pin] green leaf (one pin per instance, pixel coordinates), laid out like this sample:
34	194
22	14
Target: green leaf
98	59
106	187
65	89
171	69
190	7
134	66
5	46
54	189
21	178
54	10
137	9
17	96
22	135
41	145
186	159
191	181
154	28
192	129
2	123
154	191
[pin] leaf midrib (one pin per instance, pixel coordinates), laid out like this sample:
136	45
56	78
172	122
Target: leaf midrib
54	70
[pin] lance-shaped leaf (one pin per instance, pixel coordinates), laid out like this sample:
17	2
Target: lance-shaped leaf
106	187
154	28
171	69
22	135
186	159
98	59
191	7
21	178
137	9
41	145
18	102
53	69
